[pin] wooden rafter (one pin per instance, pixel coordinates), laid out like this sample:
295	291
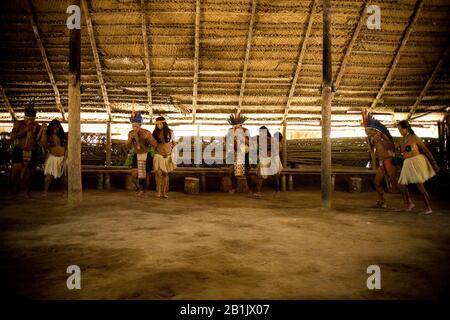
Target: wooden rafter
8	105
406	34
147	60
197	48
98	66
361	22
433	76
247	54
45	59
300	60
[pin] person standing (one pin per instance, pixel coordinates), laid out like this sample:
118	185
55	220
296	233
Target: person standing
140	140
238	140
384	148
163	163
25	137
419	165
55	141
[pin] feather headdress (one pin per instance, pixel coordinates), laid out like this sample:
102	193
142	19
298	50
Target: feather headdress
370	122
237	118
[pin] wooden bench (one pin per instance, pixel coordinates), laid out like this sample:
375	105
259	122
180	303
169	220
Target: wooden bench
104	173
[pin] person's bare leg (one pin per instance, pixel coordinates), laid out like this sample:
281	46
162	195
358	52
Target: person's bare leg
409	205
158	182
277	185
47	181
28	180
259	183
16	170
379	178
165	184
426	198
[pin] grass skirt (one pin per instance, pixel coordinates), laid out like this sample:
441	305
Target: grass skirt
416	170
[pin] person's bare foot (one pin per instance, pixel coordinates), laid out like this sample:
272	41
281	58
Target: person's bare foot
44	195
427	211
232	191
140	193
257	195
165	196
380	204
409	207
158	195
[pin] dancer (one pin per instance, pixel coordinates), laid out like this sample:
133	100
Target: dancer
269	163
238	140
418	166
25	137
163	163
55	141
384	148
140	140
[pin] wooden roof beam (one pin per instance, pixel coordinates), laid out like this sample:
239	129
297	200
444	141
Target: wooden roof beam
300	60
247	54
45	59
406	34
8	105
433	76
98	66
147	60
197	48
361	23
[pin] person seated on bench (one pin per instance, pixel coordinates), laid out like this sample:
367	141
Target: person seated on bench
140	139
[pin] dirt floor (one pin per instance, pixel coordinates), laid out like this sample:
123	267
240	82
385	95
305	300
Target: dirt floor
221	246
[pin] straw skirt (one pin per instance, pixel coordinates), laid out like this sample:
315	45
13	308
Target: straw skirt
416	170
54	166
165	164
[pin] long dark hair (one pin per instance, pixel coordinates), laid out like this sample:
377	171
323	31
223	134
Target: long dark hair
404	124
267	130
61	133
166	131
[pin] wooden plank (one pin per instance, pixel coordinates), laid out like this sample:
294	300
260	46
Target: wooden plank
74	143
98	65
405	38
247	54
41	47
300	60
147	60
196	62
8	105
433	76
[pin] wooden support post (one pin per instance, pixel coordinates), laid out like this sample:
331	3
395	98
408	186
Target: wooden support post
74	143
203	181
290	183
107	180
108	144
283	183
284	146
100	181
326	107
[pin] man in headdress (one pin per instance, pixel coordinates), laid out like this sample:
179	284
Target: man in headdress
140	140
238	140
25	137
384	147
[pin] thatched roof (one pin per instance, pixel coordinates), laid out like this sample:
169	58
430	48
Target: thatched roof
264	56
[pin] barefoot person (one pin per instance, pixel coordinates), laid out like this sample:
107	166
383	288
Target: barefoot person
163	163
269	163
238	140
25	137
418	166
140	140
384	148
55	141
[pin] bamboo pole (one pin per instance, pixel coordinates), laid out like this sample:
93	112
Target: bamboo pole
74	143
326	107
